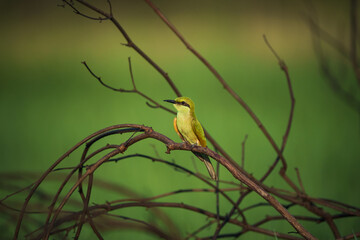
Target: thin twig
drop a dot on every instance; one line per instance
(131, 44)
(51, 168)
(134, 90)
(76, 11)
(299, 179)
(55, 217)
(243, 152)
(223, 82)
(284, 68)
(131, 74)
(235, 170)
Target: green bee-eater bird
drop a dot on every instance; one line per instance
(189, 128)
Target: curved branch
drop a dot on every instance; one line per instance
(104, 208)
(233, 168)
(53, 166)
(224, 84)
(131, 44)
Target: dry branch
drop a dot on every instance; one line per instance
(57, 220)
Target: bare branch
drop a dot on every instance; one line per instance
(82, 14)
(223, 82)
(243, 151)
(299, 179)
(101, 216)
(131, 44)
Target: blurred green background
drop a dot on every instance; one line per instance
(49, 101)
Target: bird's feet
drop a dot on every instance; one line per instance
(192, 146)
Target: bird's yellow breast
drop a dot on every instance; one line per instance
(184, 125)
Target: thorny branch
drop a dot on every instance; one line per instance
(171, 146)
(100, 217)
(148, 133)
(224, 84)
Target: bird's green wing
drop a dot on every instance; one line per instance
(199, 132)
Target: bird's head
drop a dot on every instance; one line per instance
(183, 104)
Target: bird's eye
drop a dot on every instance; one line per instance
(183, 103)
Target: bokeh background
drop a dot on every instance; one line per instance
(49, 101)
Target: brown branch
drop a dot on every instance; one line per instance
(55, 217)
(134, 90)
(16, 192)
(243, 152)
(66, 180)
(341, 207)
(144, 226)
(300, 218)
(98, 210)
(76, 11)
(194, 233)
(216, 189)
(284, 68)
(282, 172)
(234, 169)
(299, 179)
(79, 166)
(131, 44)
(148, 199)
(156, 104)
(88, 194)
(74, 204)
(150, 227)
(224, 84)
(51, 168)
(86, 211)
(350, 236)
(76, 185)
(110, 8)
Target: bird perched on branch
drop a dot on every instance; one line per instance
(190, 130)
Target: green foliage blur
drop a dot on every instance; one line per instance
(49, 101)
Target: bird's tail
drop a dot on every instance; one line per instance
(205, 159)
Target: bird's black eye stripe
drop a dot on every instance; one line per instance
(185, 104)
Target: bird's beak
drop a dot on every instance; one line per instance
(170, 101)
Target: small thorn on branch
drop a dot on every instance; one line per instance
(126, 44)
